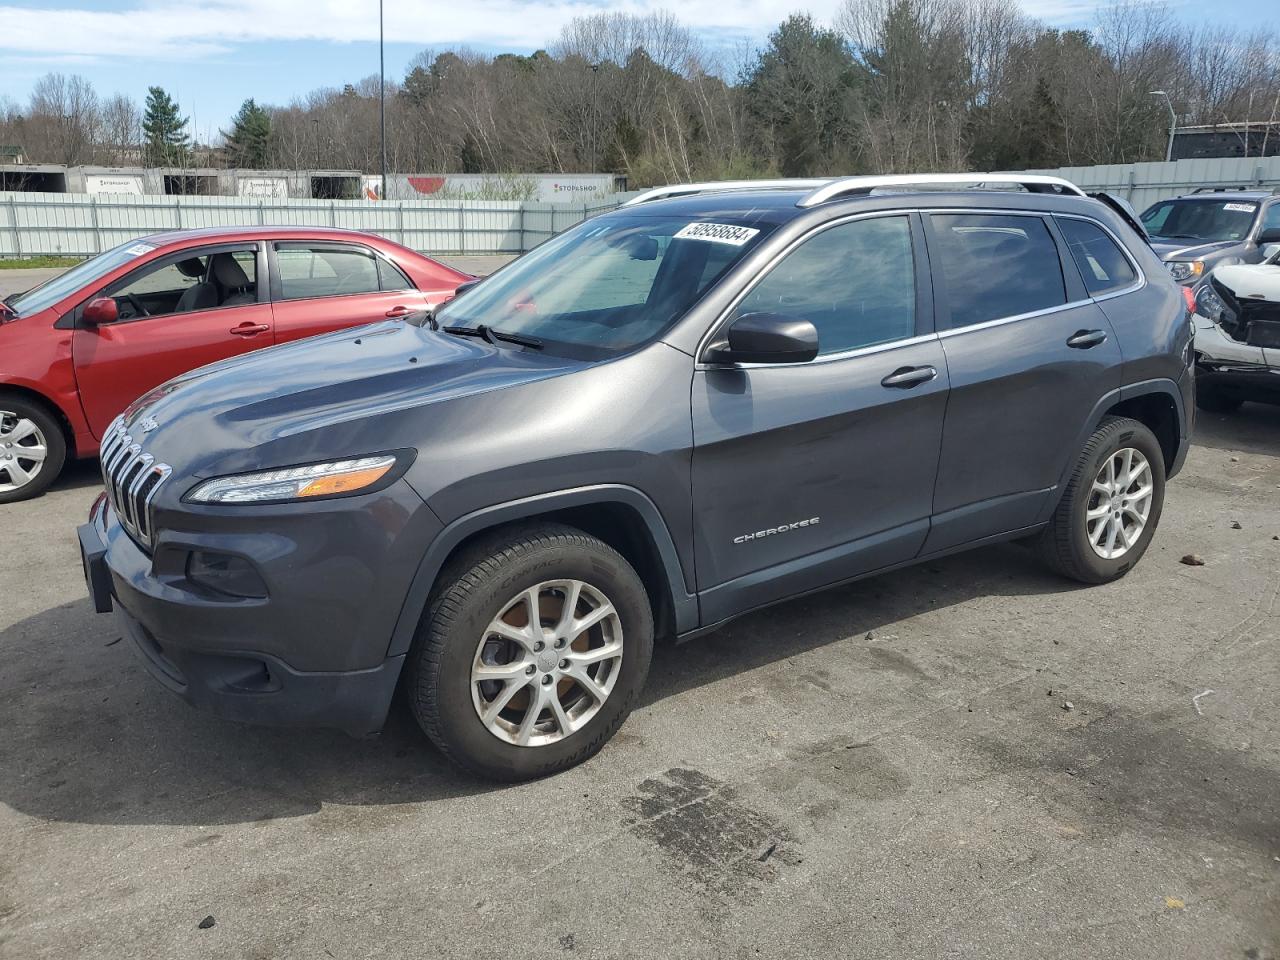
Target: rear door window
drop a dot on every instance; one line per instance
(1102, 265)
(391, 277)
(996, 266)
(307, 272)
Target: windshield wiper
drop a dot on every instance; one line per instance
(490, 335)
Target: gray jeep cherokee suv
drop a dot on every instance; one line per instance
(661, 419)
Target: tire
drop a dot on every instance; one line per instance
(27, 424)
(1215, 401)
(1066, 544)
(492, 580)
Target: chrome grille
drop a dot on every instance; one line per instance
(132, 479)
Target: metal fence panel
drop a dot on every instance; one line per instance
(39, 224)
(1142, 184)
(52, 224)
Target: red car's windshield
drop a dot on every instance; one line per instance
(81, 275)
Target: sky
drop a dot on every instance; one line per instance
(212, 54)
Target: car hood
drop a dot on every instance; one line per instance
(355, 392)
(1188, 249)
(1255, 281)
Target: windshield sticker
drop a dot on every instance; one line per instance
(138, 249)
(1240, 207)
(717, 233)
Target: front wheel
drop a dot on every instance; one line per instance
(532, 653)
(32, 449)
(1112, 504)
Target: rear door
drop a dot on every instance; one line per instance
(1030, 355)
(805, 474)
(177, 312)
(318, 287)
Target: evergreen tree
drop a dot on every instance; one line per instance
(165, 130)
(249, 142)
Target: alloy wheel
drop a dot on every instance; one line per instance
(23, 451)
(1119, 503)
(547, 663)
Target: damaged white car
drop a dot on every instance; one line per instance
(1237, 342)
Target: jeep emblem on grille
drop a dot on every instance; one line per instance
(147, 425)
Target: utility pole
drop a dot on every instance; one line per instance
(382, 101)
(1173, 122)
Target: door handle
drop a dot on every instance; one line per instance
(904, 378)
(1084, 339)
(249, 329)
(398, 311)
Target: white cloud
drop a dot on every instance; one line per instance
(167, 29)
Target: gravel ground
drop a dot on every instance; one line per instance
(884, 770)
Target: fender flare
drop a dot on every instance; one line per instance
(1160, 385)
(685, 604)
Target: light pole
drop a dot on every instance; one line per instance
(382, 102)
(1173, 122)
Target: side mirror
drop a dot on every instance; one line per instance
(1270, 235)
(1271, 252)
(463, 287)
(102, 310)
(765, 338)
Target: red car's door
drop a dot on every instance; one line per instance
(176, 313)
(319, 286)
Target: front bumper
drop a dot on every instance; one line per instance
(234, 657)
(1229, 366)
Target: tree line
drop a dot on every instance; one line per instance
(890, 86)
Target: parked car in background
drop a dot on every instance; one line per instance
(1238, 334)
(76, 350)
(663, 418)
(1195, 233)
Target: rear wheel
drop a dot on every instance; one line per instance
(532, 654)
(1112, 504)
(32, 449)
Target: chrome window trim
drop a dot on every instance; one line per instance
(719, 322)
(1139, 284)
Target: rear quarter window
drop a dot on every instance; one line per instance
(1102, 264)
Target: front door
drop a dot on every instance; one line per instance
(810, 473)
(175, 314)
(320, 287)
(1030, 356)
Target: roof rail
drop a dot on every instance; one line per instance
(854, 186)
(1231, 189)
(717, 186)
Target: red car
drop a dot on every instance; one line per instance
(78, 349)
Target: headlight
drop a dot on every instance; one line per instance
(1184, 270)
(295, 483)
(1208, 303)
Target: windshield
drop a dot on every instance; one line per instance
(1205, 220)
(81, 275)
(607, 285)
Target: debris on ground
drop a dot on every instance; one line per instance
(1068, 705)
(1235, 459)
(207, 922)
(112, 643)
(1175, 903)
(1195, 701)
(1235, 525)
(1193, 560)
